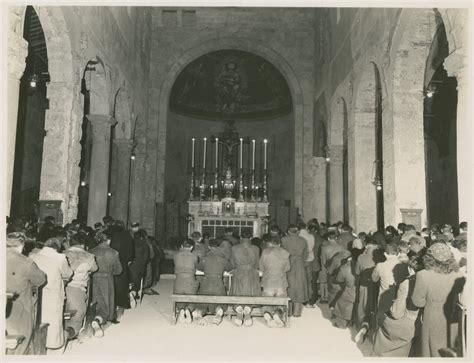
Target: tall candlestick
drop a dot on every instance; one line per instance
(241, 148)
(217, 153)
(253, 154)
(265, 154)
(204, 157)
(192, 153)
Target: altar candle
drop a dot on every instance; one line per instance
(241, 149)
(192, 153)
(253, 154)
(265, 154)
(217, 153)
(204, 157)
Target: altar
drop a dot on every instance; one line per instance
(214, 217)
(226, 191)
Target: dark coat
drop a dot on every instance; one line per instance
(123, 244)
(214, 264)
(185, 264)
(246, 281)
(103, 291)
(345, 301)
(318, 244)
(139, 263)
(436, 292)
(345, 240)
(21, 276)
(297, 247)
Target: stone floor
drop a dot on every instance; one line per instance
(146, 333)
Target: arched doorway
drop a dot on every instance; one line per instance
(259, 106)
(31, 120)
(439, 120)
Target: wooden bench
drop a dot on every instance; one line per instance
(282, 302)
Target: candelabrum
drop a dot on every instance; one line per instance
(216, 186)
(241, 185)
(202, 193)
(265, 187)
(191, 191)
(252, 191)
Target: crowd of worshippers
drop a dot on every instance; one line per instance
(74, 268)
(399, 288)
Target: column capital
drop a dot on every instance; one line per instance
(101, 120)
(124, 143)
(456, 64)
(101, 127)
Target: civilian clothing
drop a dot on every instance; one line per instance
(437, 293)
(345, 240)
(22, 274)
(274, 264)
(122, 242)
(297, 285)
(103, 291)
(57, 269)
(245, 260)
(83, 264)
(200, 250)
(328, 251)
(310, 243)
(318, 244)
(139, 262)
(395, 335)
(384, 273)
(344, 305)
(76, 299)
(363, 270)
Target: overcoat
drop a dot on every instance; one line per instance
(246, 281)
(122, 242)
(103, 292)
(22, 275)
(345, 302)
(139, 263)
(185, 264)
(366, 291)
(436, 293)
(297, 247)
(57, 269)
(275, 263)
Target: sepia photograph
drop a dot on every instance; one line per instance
(241, 181)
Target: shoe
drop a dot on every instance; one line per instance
(361, 334)
(239, 319)
(115, 321)
(98, 332)
(323, 301)
(181, 317)
(278, 322)
(188, 317)
(154, 292)
(247, 317)
(218, 317)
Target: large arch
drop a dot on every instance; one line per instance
(406, 169)
(63, 116)
(245, 44)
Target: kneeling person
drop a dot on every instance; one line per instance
(185, 263)
(274, 263)
(213, 265)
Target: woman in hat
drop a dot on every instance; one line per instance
(436, 288)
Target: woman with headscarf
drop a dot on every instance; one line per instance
(436, 289)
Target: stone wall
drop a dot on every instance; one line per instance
(284, 37)
(350, 44)
(75, 35)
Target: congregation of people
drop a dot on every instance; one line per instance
(399, 289)
(75, 279)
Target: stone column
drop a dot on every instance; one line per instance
(99, 173)
(119, 205)
(336, 187)
(17, 52)
(319, 179)
(457, 65)
(137, 188)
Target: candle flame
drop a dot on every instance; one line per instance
(265, 141)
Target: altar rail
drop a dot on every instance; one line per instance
(172, 223)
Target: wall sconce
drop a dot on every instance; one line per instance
(109, 194)
(83, 183)
(34, 79)
(375, 177)
(326, 154)
(132, 156)
(431, 89)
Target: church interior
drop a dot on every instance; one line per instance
(184, 119)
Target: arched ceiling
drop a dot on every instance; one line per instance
(231, 84)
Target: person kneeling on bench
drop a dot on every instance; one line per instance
(246, 282)
(213, 265)
(274, 263)
(185, 264)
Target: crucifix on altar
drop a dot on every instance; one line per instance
(221, 193)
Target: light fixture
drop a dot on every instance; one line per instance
(132, 156)
(83, 183)
(109, 194)
(34, 79)
(429, 94)
(326, 154)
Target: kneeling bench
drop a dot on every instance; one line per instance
(282, 302)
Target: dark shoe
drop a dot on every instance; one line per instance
(115, 321)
